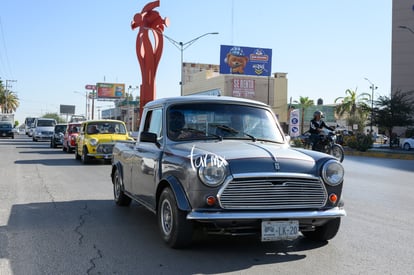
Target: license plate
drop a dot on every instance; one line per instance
(279, 230)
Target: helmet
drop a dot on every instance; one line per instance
(318, 113)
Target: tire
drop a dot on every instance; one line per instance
(64, 149)
(77, 156)
(324, 232)
(119, 196)
(175, 229)
(84, 157)
(338, 152)
(407, 146)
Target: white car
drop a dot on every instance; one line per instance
(408, 144)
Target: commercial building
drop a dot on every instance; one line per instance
(402, 64)
(205, 78)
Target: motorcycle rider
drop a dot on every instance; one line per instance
(316, 127)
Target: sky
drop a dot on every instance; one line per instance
(54, 48)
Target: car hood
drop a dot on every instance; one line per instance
(107, 138)
(249, 157)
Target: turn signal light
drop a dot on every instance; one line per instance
(211, 200)
(333, 198)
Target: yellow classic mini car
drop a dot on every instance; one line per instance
(97, 139)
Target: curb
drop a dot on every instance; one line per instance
(388, 155)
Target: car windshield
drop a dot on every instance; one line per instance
(60, 128)
(5, 126)
(45, 123)
(105, 128)
(223, 121)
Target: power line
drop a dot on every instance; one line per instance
(5, 52)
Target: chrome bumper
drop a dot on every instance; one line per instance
(267, 215)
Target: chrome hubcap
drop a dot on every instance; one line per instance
(166, 217)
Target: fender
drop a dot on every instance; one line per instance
(118, 166)
(180, 196)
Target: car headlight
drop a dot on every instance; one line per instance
(333, 172)
(213, 172)
(93, 141)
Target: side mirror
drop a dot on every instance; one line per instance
(148, 137)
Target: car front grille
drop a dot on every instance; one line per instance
(105, 148)
(273, 193)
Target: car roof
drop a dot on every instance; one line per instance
(100, 121)
(204, 99)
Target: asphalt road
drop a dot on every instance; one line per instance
(57, 217)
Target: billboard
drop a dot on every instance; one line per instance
(67, 109)
(245, 60)
(110, 90)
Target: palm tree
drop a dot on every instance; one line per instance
(353, 103)
(9, 101)
(304, 103)
(355, 106)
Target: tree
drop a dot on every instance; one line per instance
(9, 101)
(304, 103)
(355, 106)
(397, 110)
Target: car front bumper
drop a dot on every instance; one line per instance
(332, 213)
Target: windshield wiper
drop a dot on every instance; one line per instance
(234, 131)
(204, 133)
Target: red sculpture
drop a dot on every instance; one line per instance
(148, 56)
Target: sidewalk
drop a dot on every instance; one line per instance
(382, 151)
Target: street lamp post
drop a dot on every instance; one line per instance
(372, 87)
(131, 89)
(182, 46)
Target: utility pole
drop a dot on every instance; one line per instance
(6, 93)
(373, 88)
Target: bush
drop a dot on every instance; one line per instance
(360, 142)
(297, 142)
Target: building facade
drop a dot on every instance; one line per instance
(402, 63)
(202, 78)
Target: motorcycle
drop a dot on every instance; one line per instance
(327, 144)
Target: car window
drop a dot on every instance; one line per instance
(104, 127)
(5, 126)
(229, 121)
(153, 122)
(45, 123)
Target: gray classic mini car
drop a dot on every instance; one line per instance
(224, 165)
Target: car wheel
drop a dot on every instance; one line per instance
(407, 146)
(337, 152)
(84, 158)
(77, 156)
(119, 196)
(69, 150)
(64, 148)
(174, 227)
(324, 232)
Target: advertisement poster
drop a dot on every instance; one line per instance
(294, 123)
(110, 90)
(245, 60)
(244, 88)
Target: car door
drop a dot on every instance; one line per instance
(147, 158)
